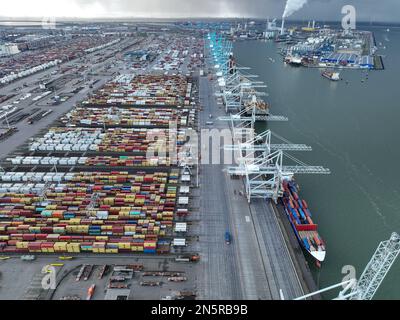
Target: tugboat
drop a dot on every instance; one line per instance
(333, 76)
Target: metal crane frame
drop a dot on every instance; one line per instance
(377, 268)
(372, 277)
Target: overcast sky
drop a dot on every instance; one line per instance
(378, 10)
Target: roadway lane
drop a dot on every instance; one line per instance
(221, 276)
(235, 271)
(258, 259)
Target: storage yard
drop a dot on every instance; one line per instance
(54, 203)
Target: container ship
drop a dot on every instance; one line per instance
(334, 76)
(299, 217)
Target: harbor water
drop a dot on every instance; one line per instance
(353, 128)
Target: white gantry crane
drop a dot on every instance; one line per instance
(237, 89)
(261, 163)
(372, 277)
(265, 174)
(248, 116)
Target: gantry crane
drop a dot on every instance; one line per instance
(372, 277)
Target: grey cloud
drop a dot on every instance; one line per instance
(384, 10)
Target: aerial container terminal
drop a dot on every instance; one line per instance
(100, 177)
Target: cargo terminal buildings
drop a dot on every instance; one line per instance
(327, 48)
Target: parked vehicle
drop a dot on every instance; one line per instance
(228, 238)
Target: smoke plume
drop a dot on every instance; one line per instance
(292, 6)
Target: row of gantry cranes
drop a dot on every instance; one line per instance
(261, 163)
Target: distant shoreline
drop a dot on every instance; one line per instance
(147, 19)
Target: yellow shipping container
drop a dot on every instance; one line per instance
(130, 228)
(100, 238)
(124, 214)
(75, 221)
(60, 246)
(122, 245)
(21, 245)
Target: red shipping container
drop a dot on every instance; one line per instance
(41, 236)
(28, 237)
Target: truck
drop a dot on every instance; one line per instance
(188, 258)
(228, 238)
(28, 258)
(177, 279)
(90, 292)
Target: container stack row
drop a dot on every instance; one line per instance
(140, 140)
(123, 117)
(149, 90)
(108, 161)
(112, 212)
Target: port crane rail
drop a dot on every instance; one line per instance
(372, 277)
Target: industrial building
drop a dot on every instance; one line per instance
(8, 49)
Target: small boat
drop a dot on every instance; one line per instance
(333, 76)
(294, 60)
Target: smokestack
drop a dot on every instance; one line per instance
(283, 26)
